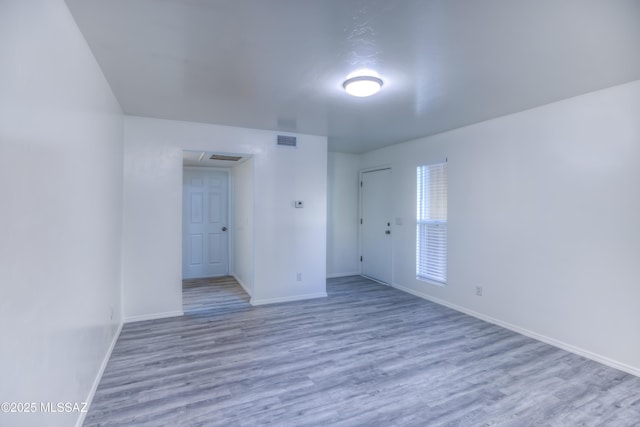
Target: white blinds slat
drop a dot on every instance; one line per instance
(431, 247)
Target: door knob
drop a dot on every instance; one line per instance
(387, 232)
(224, 228)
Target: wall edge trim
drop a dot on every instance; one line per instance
(241, 283)
(336, 275)
(287, 299)
(153, 316)
(543, 338)
(96, 381)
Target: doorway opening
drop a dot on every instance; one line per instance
(211, 227)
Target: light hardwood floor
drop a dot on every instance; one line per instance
(368, 355)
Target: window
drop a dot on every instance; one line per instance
(431, 240)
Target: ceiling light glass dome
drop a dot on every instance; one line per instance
(362, 84)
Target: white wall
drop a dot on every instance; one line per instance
(543, 213)
(286, 240)
(61, 134)
(242, 182)
(342, 214)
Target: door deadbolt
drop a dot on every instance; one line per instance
(224, 228)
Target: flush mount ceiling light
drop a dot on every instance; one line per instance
(362, 86)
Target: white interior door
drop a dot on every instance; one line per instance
(205, 248)
(375, 229)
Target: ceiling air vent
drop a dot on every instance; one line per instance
(287, 141)
(227, 158)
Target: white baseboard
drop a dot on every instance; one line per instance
(154, 316)
(287, 299)
(335, 275)
(376, 280)
(96, 382)
(545, 339)
(244, 286)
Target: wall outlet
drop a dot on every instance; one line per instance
(479, 291)
(299, 277)
(298, 204)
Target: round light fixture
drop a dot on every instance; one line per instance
(362, 86)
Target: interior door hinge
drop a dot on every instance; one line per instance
(360, 258)
(360, 183)
(360, 220)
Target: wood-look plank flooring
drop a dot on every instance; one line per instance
(218, 293)
(368, 355)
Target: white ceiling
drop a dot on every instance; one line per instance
(279, 64)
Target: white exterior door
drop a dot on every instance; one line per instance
(375, 228)
(205, 248)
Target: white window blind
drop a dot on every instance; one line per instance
(431, 241)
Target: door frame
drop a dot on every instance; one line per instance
(360, 173)
(230, 227)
